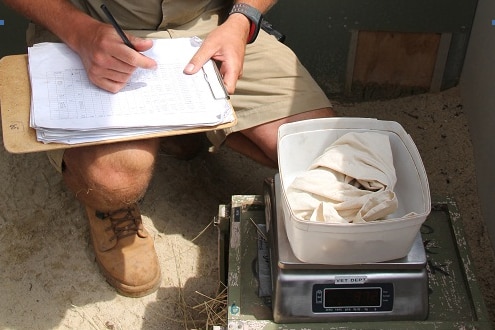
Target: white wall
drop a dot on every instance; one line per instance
(478, 94)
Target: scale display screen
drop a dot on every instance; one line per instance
(331, 298)
(352, 297)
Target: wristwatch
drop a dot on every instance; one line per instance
(254, 17)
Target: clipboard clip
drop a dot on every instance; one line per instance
(218, 91)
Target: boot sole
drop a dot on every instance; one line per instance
(131, 291)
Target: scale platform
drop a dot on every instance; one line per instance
(453, 299)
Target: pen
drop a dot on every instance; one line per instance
(116, 26)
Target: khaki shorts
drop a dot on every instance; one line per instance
(274, 83)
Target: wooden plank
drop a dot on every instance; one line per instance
(394, 63)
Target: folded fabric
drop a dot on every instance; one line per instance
(351, 182)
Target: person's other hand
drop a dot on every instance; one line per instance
(226, 45)
(108, 61)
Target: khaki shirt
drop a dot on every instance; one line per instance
(151, 14)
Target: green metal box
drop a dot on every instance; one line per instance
(455, 301)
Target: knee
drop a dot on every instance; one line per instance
(131, 172)
(111, 167)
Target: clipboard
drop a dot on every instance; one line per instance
(15, 105)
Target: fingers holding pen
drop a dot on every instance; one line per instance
(133, 56)
(110, 63)
(127, 59)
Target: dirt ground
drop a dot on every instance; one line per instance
(49, 279)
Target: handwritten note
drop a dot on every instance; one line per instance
(65, 102)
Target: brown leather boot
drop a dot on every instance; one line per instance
(125, 251)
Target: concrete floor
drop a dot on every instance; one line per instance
(49, 277)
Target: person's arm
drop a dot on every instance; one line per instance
(227, 44)
(58, 16)
(108, 61)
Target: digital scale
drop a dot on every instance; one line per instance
(302, 292)
(269, 288)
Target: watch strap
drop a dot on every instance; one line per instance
(254, 17)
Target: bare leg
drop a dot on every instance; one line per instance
(111, 176)
(260, 142)
(109, 180)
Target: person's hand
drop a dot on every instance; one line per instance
(107, 60)
(226, 45)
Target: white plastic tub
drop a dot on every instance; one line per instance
(300, 143)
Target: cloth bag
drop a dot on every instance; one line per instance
(351, 182)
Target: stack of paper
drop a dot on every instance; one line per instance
(67, 108)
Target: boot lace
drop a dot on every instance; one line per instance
(123, 222)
